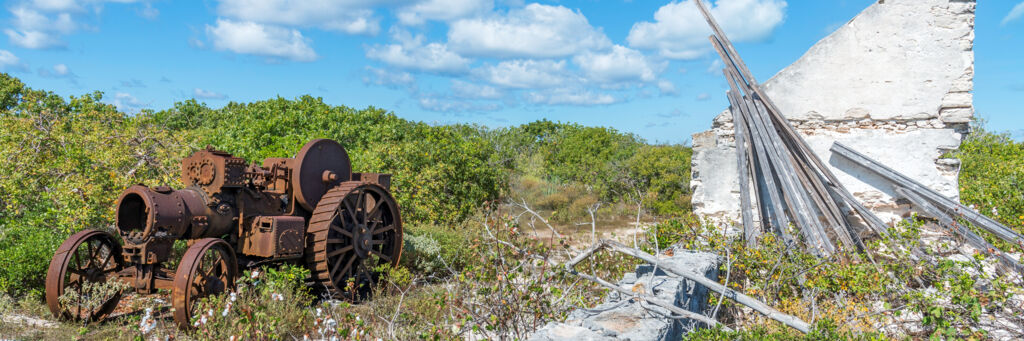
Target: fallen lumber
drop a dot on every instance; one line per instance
(935, 198)
(794, 188)
(969, 236)
(761, 307)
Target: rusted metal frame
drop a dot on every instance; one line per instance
(781, 220)
(809, 224)
(571, 267)
(937, 199)
(749, 231)
(756, 305)
(946, 220)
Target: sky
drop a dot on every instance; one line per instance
(639, 66)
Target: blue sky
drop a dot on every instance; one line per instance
(639, 66)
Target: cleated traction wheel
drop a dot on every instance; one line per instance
(208, 268)
(87, 257)
(355, 228)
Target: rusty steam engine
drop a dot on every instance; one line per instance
(310, 209)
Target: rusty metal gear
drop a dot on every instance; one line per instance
(89, 256)
(355, 227)
(209, 267)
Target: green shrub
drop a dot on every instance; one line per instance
(65, 162)
(992, 176)
(271, 303)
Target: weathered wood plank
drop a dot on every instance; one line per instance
(937, 199)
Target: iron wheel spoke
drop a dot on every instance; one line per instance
(384, 229)
(341, 230)
(381, 255)
(339, 251)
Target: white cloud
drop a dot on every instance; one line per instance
(410, 53)
(348, 16)
(680, 32)
(444, 10)
(477, 91)
(206, 94)
(40, 24)
(1014, 14)
(8, 61)
(262, 40)
(389, 78)
(525, 74)
(126, 102)
(149, 12)
(715, 67)
(57, 5)
(563, 96)
(536, 31)
(621, 64)
(703, 96)
(34, 29)
(667, 88)
(450, 105)
(59, 71)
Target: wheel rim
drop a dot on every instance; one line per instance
(207, 268)
(82, 261)
(363, 231)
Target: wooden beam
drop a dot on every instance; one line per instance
(937, 199)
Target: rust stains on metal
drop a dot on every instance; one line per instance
(310, 208)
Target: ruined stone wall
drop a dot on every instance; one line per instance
(893, 83)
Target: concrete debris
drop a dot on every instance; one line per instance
(625, 317)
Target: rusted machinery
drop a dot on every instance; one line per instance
(310, 209)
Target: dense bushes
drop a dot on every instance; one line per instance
(67, 160)
(64, 163)
(992, 176)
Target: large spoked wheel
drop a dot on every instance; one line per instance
(355, 228)
(208, 268)
(74, 281)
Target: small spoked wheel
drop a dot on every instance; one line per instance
(81, 281)
(208, 268)
(355, 228)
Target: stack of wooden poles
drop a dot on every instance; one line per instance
(797, 196)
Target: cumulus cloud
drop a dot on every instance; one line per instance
(525, 74)
(8, 62)
(207, 94)
(34, 29)
(535, 31)
(59, 71)
(348, 16)
(261, 40)
(453, 105)
(411, 53)
(388, 78)
(667, 88)
(126, 102)
(1014, 14)
(703, 96)
(41, 24)
(463, 89)
(443, 10)
(715, 67)
(621, 64)
(680, 32)
(565, 96)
